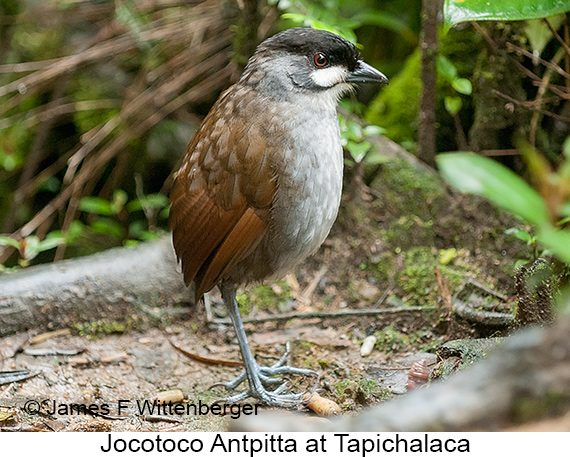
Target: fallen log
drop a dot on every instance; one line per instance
(110, 285)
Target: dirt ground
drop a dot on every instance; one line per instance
(136, 366)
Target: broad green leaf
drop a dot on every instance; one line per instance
(480, 175)
(352, 130)
(136, 228)
(376, 158)
(564, 210)
(456, 11)
(343, 29)
(446, 256)
(149, 235)
(566, 147)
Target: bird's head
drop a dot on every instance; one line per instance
(308, 61)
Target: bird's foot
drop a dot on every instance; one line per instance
(266, 374)
(271, 398)
(264, 378)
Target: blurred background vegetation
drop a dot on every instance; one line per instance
(99, 99)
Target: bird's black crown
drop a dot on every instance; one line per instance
(308, 42)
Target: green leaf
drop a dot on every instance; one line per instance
(539, 34)
(149, 235)
(446, 256)
(520, 262)
(371, 130)
(452, 104)
(343, 28)
(456, 11)
(520, 233)
(96, 205)
(150, 201)
(462, 85)
(446, 68)
(352, 130)
(7, 241)
(30, 244)
(480, 175)
(50, 242)
(358, 150)
(165, 213)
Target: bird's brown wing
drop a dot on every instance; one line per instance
(221, 199)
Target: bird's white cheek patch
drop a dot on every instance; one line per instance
(328, 77)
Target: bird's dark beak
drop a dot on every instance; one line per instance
(364, 73)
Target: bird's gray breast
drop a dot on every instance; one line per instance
(309, 188)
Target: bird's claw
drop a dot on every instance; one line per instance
(270, 398)
(267, 377)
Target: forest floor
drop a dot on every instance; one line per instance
(390, 237)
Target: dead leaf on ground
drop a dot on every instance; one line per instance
(207, 360)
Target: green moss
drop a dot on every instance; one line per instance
(409, 230)
(352, 393)
(417, 278)
(342, 385)
(385, 269)
(272, 297)
(372, 390)
(423, 196)
(94, 330)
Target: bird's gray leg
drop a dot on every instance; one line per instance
(257, 376)
(266, 373)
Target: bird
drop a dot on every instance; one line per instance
(260, 184)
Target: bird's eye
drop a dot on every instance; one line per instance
(321, 60)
